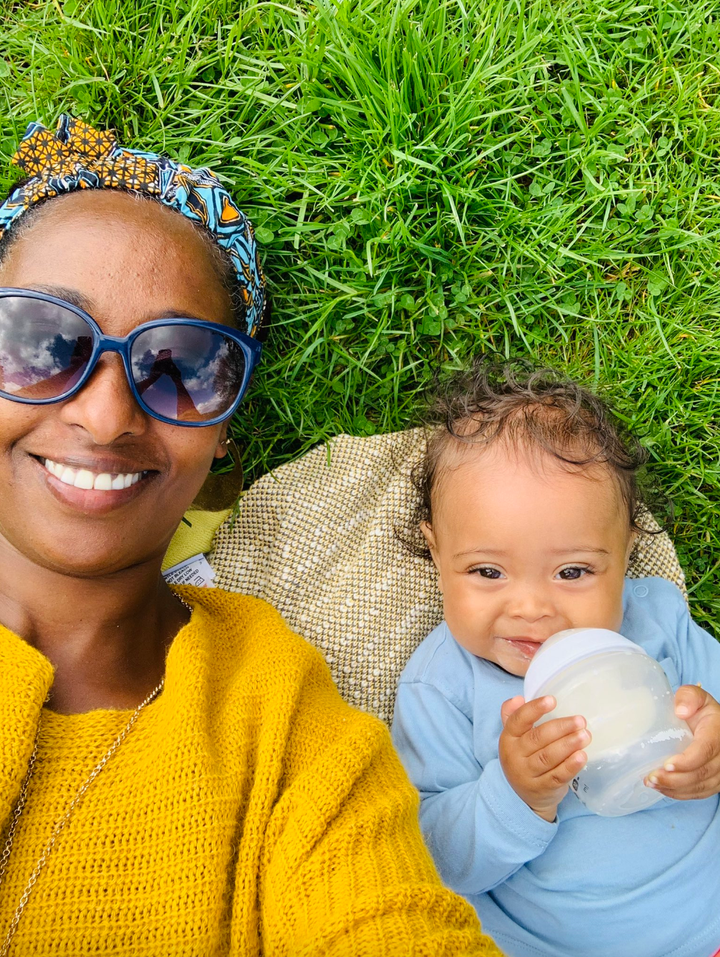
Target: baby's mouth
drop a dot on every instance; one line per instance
(526, 646)
(88, 479)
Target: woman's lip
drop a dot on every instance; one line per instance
(92, 501)
(97, 465)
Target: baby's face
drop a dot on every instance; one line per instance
(525, 549)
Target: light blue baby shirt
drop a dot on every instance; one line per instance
(644, 885)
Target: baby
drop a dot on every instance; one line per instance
(531, 512)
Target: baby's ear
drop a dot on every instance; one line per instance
(426, 529)
(632, 540)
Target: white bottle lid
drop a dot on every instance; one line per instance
(568, 647)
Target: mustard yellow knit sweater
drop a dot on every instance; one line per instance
(250, 811)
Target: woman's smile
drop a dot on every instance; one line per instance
(87, 478)
(92, 487)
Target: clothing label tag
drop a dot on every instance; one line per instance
(196, 570)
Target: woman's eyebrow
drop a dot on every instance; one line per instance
(178, 314)
(72, 296)
(76, 298)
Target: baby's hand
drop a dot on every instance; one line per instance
(696, 772)
(541, 762)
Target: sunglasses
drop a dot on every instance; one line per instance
(181, 371)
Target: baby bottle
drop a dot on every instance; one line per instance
(628, 705)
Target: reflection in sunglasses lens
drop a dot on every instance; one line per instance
(187, 373)
(44, 348)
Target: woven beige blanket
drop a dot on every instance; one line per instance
(317, 538)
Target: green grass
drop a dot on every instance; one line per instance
(433, 179)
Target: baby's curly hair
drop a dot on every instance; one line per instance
(529, 409)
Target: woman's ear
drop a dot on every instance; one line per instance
(221, 449)
(225, 479)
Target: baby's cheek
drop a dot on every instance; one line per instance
(604, 609)
(467, 628)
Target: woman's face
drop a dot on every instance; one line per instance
(125, 262)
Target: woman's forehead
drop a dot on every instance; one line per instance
(118, 251)
(123, 217)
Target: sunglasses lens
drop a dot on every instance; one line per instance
(44, 348)
(187, 373)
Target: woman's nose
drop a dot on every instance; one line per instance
(105, 407)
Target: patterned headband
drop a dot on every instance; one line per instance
(80, 157)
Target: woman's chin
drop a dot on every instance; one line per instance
(90, 533)
(97, 558)
(85, 548)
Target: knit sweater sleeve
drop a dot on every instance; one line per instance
(25, 679)
(344, 869)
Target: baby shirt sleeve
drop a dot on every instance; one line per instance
(477, 828)
(699, 655)
(658, 618)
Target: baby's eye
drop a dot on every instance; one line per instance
(485, 571)
(572, 573)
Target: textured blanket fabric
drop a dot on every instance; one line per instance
(322, 539)
(249, 811)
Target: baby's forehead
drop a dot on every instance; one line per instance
(467, 459)
(516, 451)
(527, 504)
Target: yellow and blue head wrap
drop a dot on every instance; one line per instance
(77, 156)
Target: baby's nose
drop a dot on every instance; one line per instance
(531, 605)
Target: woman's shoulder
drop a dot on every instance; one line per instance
(239, 628)
(251, 675)
(243, 647)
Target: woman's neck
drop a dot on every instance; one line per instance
(107, 637)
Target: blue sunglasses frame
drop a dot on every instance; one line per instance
(251, 349)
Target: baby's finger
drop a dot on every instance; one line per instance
(564, 772)
(510, 707)
(682, 785)
(560, 751)
(692, 790)
(701, 751)
(544, 735)
(689, 699)
(519, 722)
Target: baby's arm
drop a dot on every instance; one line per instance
(478, 829)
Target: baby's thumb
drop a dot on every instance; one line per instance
(510, 706)
(689, 699)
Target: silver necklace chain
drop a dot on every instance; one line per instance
(62, 822)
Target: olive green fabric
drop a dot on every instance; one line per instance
(194, 535)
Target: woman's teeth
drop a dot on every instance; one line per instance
(84, 478)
